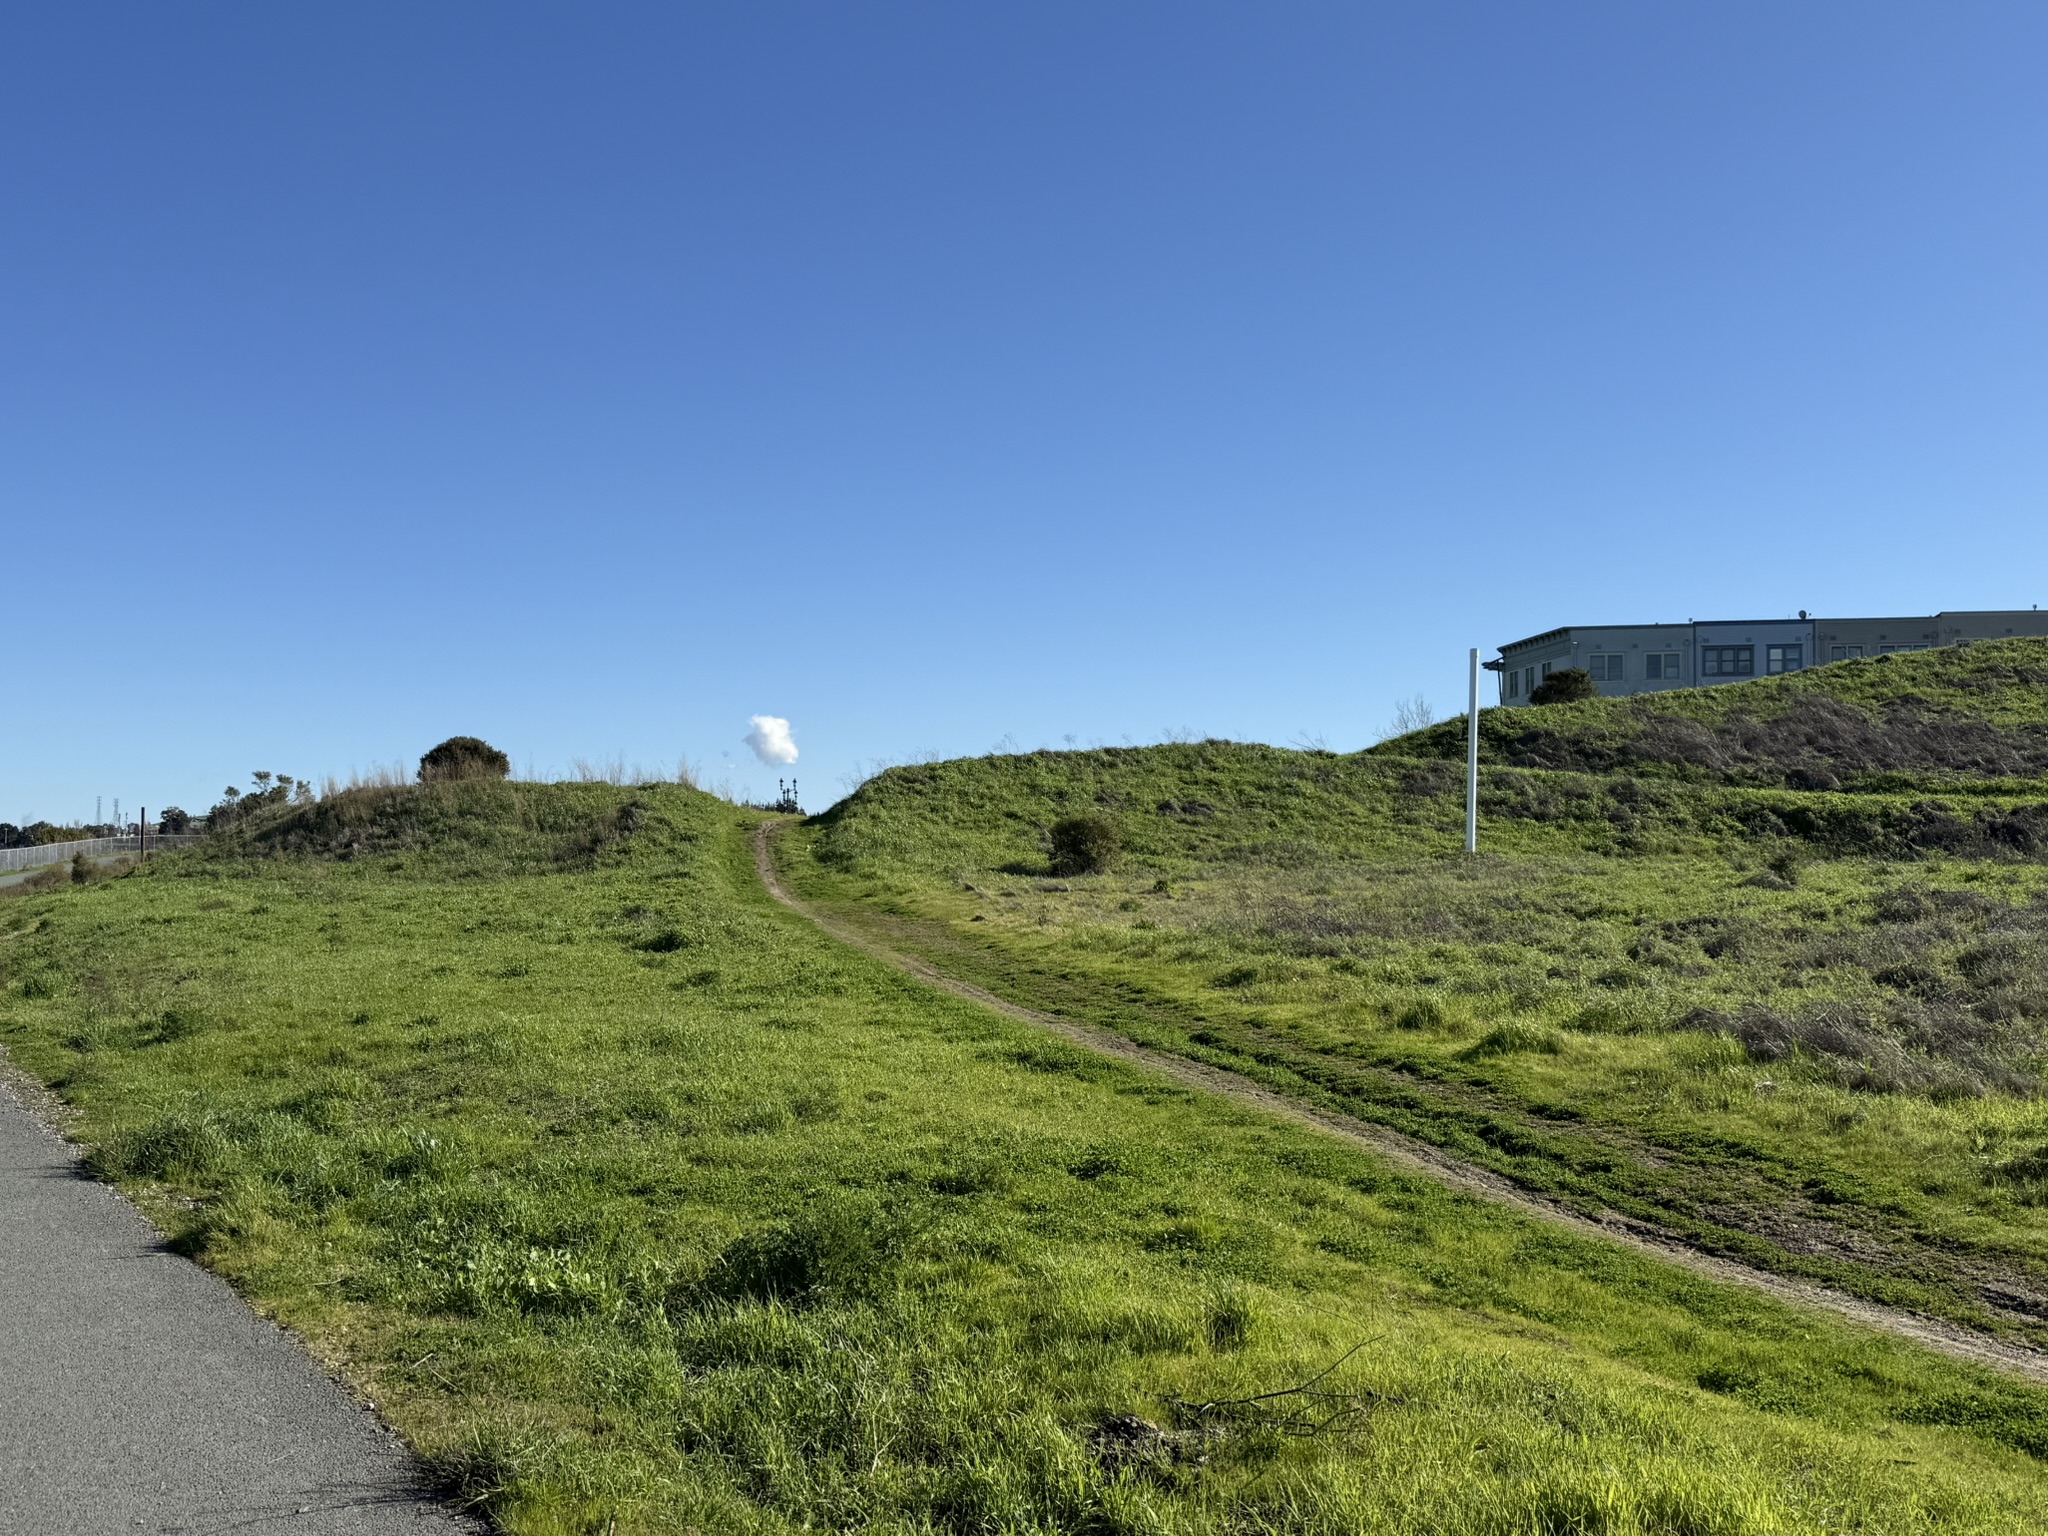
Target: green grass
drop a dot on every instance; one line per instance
(1956, 716)
(631, 1198)
(1708, 1006)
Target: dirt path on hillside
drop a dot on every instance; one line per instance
(1431, 1162)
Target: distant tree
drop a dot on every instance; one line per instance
(1564, 687)
(272, 790)
(175, 822)
(464, 757)
(12, 836)
(1084, 845)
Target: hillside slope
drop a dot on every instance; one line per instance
(1960, 713)
(1807, 1028)
(640, 1206)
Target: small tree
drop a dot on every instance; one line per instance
(1564, 687)
(175, 822)
(464, 757)
(1411, 714)
(1084, 845)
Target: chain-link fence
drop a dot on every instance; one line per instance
(91, 847)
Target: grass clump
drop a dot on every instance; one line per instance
(842, 1247)
(1514, 1037)
(177, 1146)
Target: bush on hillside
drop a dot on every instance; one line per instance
(1565, 687)
(1084, 845)
(464, 757)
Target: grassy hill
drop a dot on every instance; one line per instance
(1801, 1027)
(1946, 716)
(640, 1205)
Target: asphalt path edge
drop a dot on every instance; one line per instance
(140, 1392)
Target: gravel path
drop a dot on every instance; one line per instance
(1432, 1162)
(140, 1394)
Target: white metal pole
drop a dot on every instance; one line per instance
(1472, 762)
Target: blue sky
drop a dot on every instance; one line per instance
(592, 379)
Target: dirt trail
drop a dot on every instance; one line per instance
(1419, 1157)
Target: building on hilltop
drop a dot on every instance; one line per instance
(1645, 658)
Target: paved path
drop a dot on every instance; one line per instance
(139, 1394)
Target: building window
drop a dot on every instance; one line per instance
(1512, 682)
(1661, 666)
(1546, 669)
(1884, 648)
(1529, 679)
(1605, 669)
(1727, 661)
(1784, 658)
(1844, 652)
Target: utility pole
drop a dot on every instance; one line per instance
(1472, 761)
(142, 833)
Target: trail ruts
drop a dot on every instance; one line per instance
(1418, 1157)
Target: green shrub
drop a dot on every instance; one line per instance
(464, 757)
(1564, 687)
(1084, 845)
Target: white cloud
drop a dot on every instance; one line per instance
(770, 740)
